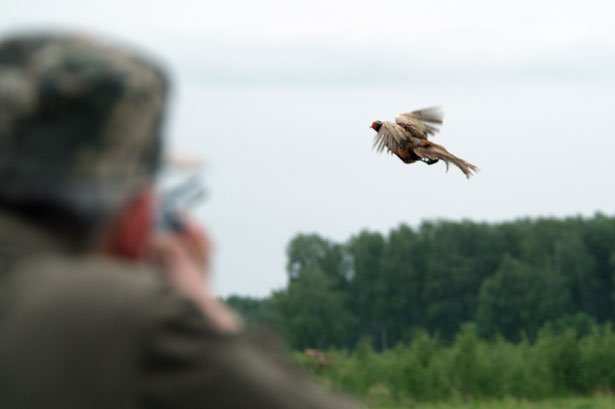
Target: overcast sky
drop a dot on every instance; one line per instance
(276, 98)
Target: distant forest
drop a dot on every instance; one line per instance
(509, 279)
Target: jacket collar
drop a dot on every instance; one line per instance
(19, 238)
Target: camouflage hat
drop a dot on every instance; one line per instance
(80, 120)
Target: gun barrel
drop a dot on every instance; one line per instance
(177, 198)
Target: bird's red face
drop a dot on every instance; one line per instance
(376, 125)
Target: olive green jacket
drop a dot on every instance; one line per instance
(93, 332)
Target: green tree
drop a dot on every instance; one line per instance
(255, 311)
(518, 299)
(367, 283)
(313, 313)
(460, 258)
(401, 307)
(598, 235)
(310, 251)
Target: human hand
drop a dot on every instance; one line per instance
(185, 258)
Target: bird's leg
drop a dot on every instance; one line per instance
(429, 161)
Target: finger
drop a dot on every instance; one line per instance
(196, 240)
(168, 249)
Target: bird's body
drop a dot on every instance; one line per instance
(407, 138)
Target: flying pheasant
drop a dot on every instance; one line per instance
(407, 138)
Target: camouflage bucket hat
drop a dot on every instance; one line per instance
(80, 120)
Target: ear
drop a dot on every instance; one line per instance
(131, 229)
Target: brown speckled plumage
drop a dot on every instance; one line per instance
(407, 138)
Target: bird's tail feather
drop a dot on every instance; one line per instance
(435, 151)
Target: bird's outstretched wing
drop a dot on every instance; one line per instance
(421, 123)
(390, 136)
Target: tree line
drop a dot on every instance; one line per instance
(509, 279)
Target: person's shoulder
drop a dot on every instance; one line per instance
(83, 289)
(95, 277)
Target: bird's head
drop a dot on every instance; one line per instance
(376, 125)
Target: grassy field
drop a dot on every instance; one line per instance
(599, 402)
